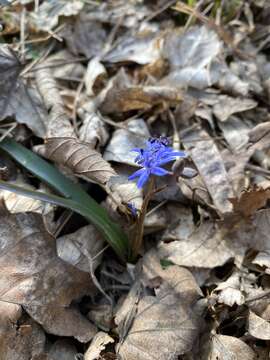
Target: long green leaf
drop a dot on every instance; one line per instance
(76, 198)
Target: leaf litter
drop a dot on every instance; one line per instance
(83, 83)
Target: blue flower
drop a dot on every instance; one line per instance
(155, 154)
(132, 209)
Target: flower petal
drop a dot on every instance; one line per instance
(159, 171)
(136, 174)
(143, 178)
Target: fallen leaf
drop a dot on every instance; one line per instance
(36, 278)
(190, 64)
(121, 95)
(80, 248)
(123, 141)
(46, 18)
(98, 344)
(229, 291)
(156, 332)
(258, 327)
(209, 163)
(80, 158)
(235, 132)
(95, 71)
(143, 48)
(20, 337)
(227, 106)
(225, 347)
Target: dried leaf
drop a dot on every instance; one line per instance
(46, 18)
(98, 344)
(24, 341)
(250, 201)
(227, 106)
(235, 132)
(93, 130)
(225, 347)
(210, 165)
(95, 70)
(80, 158)
(230, 292)
(190, 64)
(258, 327)
(34, 276)
(58, 123)
(62, 350)
(143, 48)
(123, 141)
(122, 96)
(80, 248)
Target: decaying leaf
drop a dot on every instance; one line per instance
(93, 130)
(250, 201)
(225, 347)
(230, 291)
(95, 71)
(98, 344)
(49, 12)
(41, 285)
(80, 248)
(124, 141)
(23, 341)
(190, 65)
(121, 95)
(62, 350)
(209, 163)
(80, 158)
(148, 325)
(258, 327)
(227, 106)
(58, 123)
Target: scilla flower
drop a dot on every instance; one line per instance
(155, 154)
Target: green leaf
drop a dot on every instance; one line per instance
(75, 199)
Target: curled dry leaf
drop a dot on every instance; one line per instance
(80, 158)
(58, 123)
(81, 247)
(258, 327)
(95, 71)
(93, 130)
(38, 279)
(98, 344)
(235, 132)
(225, 347)
(209, 163)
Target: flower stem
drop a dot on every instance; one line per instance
(137, 238)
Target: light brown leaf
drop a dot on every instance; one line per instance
(209, 163)
(258, 327)
(33, 275)
(80, 158)
(98, 344)
(225, 347)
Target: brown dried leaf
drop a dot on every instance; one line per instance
(80, 158)
(225, 347)
(121, 95)
(227, 106)
(58, 121)
(209, 163)
(156, 332)
(250, 201)
(33, 275)
(93, 130)
(62, 350)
